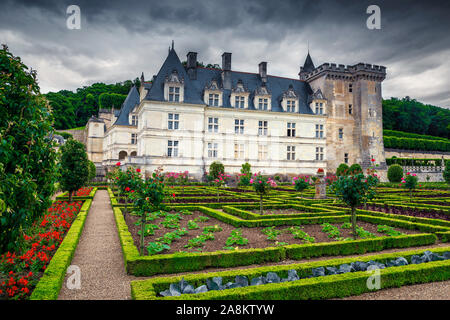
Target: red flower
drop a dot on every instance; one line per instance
(118, 163)
(373, 160)
(138, 170)
(127, 189)
(132, 191)
(173, 195)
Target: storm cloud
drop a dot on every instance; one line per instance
(120, 39)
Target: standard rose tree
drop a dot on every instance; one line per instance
(262, 186)
(300, 184)
(220, 182)
(147, 196)
(410, 183)
(355, 190)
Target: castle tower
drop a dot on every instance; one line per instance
(354, 127)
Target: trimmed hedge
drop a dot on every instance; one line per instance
(304, 211)
(50, 283)
(401, 134)
(416, 144)
(326, 287)
(183, 262)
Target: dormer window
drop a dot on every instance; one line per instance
(239, 95)
(239, 102)
(262, 100)
(213, 94)
(174, 94)
(134, 120)
(214, 99)
(262, 103)
(174, 87)
(318, 102)
(290, 105)
(290, 100)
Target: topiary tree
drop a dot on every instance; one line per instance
(148, 196)
(342, 170)
(300, 184)
(355, 169)
(246, 174)
(28, 156)
(92, 171)
(262, 186)
(410, 183)
(446, 173)
(215, 169)
(355, 190)
(395, 173)
(74, 166)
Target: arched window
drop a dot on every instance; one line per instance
(133, 154)
(122, 155)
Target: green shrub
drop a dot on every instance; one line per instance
(342, 169)
(354, 169)
(395, 173)
(65, 135)
(446, 172)
(92, 170)
(215, 169)
(27, 155)
(74, 166)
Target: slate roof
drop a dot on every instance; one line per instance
(309, 65)
(128, 105)
(193, 89)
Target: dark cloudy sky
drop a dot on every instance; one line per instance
(120, 39)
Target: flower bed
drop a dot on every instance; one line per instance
(21, 271)
(81, 194)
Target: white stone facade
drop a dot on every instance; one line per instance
(184, 120)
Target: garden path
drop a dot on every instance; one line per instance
(99, 257)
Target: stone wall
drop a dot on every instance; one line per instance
(399, 153)
(78, 135)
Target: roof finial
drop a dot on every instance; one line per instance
(308, 46)
(172, 44)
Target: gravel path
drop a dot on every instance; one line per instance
(99, 257)
(425, 291)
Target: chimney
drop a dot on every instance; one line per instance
(263, 71)
(191, 65)
(226, 70)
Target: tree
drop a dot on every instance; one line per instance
(74, 166)
(355, 190)
(262, 186)
(246, 174)
(410, 182)
(92, 171)
(215, 169)
(28, 156)
(147, 196)
(300, 184)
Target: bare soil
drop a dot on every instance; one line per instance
(256, 239)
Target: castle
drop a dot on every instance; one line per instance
(188, 116)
